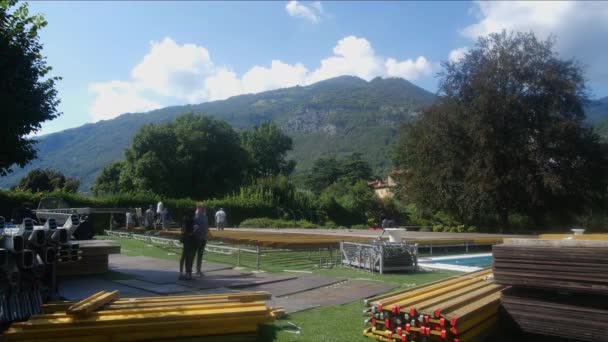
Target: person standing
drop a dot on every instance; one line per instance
(201, 233)
(188, 248)
(159, 212)
(220, 219)
(149, 218)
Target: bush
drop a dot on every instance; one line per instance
(265, 222)
(359, 226)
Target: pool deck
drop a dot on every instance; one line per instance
(431, 262)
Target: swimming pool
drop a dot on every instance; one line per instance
(476, 261)
(462, 263)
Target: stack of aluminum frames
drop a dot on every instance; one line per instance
(105, 317)
(458, 309)
(380, 256)
(28, 258)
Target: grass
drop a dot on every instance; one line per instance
(333, 323)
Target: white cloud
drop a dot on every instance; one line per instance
(187, 73)
(174, 70)
(457, 54)
(581, 27)
(117, 97)
(409, 69)
(312, 13)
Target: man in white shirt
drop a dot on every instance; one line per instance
(220, 219)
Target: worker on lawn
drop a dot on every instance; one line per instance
(149, 218)
(129, 219)
(201, 233)
(159, 212)
(188, 248)
(220, 219)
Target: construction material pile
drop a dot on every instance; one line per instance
(457, 309)
(94, 258)
(28, 258)
(559, 287)
(105, 317)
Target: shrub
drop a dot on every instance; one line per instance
(359, 226)
(266, 222)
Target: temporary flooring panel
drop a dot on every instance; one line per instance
(162, 289)
(336, 294)
(77, 289)
(301, 284)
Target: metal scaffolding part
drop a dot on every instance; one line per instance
(380, 256)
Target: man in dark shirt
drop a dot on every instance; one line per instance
(201, 233)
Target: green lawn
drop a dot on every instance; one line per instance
(335, 323)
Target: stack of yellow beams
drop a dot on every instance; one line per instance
(573, 236)
(148, 318)
(458, 309)
(315, 240)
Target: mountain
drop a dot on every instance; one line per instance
(597, 110)
(335, 116)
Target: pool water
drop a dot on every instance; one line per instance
(480, 261)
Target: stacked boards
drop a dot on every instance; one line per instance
(94, 258)
(558, 288)
(104, 317)
(458, 309)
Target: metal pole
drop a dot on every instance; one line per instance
(466, 246)
(381, 259)
(257, 261)
(238, 256)
(431, 248)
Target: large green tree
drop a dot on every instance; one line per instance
(27, 92)
(108, 180)
(195, 156)
(328, 170)
(506, 135)
(268, 147)
(47, 180)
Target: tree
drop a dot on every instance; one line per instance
(327, 170)
(324, 172)
(47, 180)
(108, 181)
(354, 168)
(268, 147)
(506, 135)
(194, 156)
(27, 93)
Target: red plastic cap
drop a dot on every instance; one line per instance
(399, 330)
(453, 321)
(437, 313)
(408, 327)
(373, 320)
(412, 312)
(426, 319)
(389, 334)
(442, 322)
(379, 306)
(444, 333)
(428, 331)
(404, 338)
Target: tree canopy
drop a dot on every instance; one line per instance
(195, 156)
(47, 180)
(108, 181)
(506, 135)
(268, 146)
(27, 92)
(328, 170)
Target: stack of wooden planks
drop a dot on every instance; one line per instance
(458, 309)
(563, 265)
(104, 317)
(93, 258)
(559, 287)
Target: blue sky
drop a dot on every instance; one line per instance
(118, 57)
